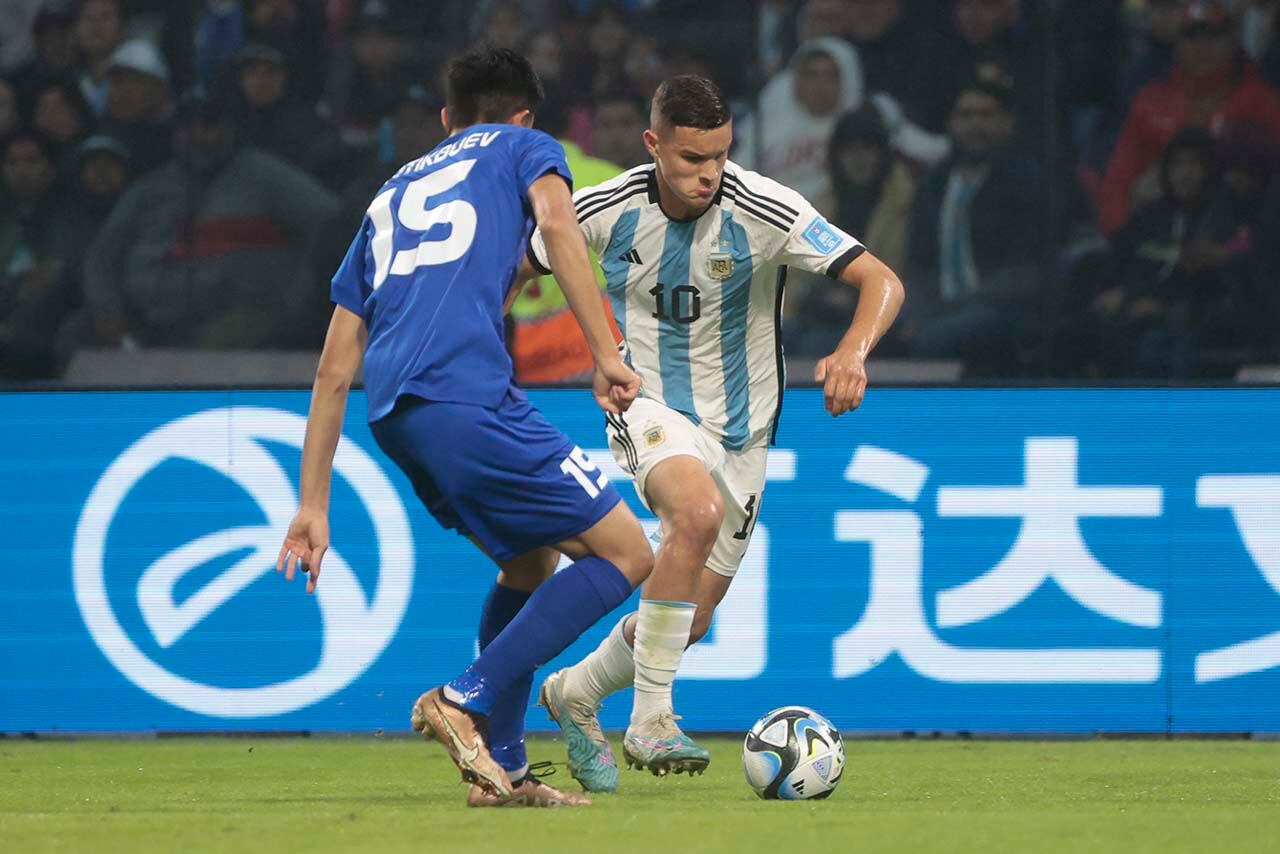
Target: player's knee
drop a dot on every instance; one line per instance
(698, 524)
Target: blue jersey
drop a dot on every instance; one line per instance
(434, 259)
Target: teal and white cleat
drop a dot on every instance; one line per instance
(657, 744)
(591, 759)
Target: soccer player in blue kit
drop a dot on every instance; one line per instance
(419, 299)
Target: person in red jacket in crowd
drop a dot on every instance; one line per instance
(1212, 85)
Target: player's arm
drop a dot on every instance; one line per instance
(616, 385)
(308, 536)
(844, 373)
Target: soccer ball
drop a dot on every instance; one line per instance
(793, 754)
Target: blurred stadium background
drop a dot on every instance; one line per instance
(179, 178)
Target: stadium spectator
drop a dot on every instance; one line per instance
(10, 115)
(366, 78)
(873, 186)
(34, 298)
(786, 137)
(99, 32)
(59, 112)
(996, 33)
(219, 36)
(546, 343)
(55, 52)
(276, 121)
(975, 240)
(873, 190)
(413, 129)
(617, 129)
(1212, 85)
(890, 47)
(139, 106)
(100, 176)
(1163, 258)
(211, 249)
(297, 29)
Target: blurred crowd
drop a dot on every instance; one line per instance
(1069, 188)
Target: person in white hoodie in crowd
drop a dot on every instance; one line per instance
(786, 136)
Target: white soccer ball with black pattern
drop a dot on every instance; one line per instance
(793, 754)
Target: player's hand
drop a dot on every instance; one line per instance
(615, 386)
(304, 546)
(843, 375)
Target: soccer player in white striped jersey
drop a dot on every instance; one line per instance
(695, 251)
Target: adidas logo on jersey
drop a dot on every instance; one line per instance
(632, 257)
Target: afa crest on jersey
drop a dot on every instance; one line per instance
(719, 265)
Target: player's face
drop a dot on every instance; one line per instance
(690, 163)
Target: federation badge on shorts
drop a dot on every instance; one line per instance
(719, 265)
(654, 436)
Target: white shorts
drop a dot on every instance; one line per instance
(649, 433)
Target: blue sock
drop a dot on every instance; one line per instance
(506, 720)
(558, 612)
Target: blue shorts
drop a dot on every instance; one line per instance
(507, 477)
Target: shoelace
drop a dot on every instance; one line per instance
(537, 771)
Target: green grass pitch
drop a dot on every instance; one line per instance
(399, 794)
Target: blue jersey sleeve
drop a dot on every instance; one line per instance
(537, 155)
(349, 288)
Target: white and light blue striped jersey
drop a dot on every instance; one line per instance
(699, 302)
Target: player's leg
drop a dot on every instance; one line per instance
(517, 579)
(572, 696)
(400, 435)
(689, 506)
(526, 486)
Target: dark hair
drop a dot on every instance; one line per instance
(865, 124)
(690, 101)
(489, 85)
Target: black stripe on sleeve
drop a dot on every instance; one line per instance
(750, 208)
(588, 199)
(764, 200)
(838, 265)
(533, 259)
(585, 215)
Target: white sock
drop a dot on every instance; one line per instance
(610, 667)
(662, 633)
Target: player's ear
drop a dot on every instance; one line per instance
(524, 118)
(444, 118)
(651, 142)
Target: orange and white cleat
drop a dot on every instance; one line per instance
(462, 734)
